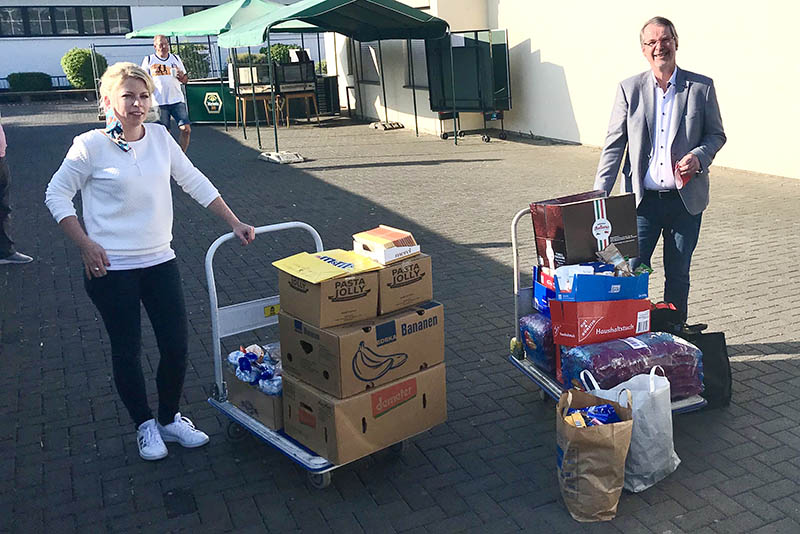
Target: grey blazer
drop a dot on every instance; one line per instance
(698, 130)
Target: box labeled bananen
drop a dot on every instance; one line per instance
(349, 359)
(343, 430)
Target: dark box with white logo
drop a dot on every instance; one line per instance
(572, 229)
(404, 283)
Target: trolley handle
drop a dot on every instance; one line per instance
(214, 309)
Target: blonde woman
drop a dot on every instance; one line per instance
(123, 173)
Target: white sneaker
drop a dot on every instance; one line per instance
(183, 431)
(151, 446)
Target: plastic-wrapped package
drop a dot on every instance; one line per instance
(271, 386)
(615, 361)
(536, 333)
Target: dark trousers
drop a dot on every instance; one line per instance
(117, 296)
(664, 215)
(6, 244)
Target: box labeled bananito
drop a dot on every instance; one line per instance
(349, 359)
(343, 430)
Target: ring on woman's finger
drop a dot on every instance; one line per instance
(97, 268)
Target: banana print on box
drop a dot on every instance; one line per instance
(369, 365)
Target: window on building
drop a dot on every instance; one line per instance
(39, 21)
(11, 23)
(369, 61)
(66, 19)
(417, 53)
(119, 20)
(189, 10)
(94, 23)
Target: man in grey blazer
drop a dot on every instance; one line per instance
(668, 119)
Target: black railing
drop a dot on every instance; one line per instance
(57, 82)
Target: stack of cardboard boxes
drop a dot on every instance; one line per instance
(363, 354)
(569, 231)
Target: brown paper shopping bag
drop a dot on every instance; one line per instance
(591, 460)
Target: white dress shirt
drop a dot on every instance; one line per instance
(660, 174)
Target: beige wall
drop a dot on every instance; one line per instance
(568, 57)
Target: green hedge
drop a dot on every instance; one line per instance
(195, 58)
(279, 51)
(77, 65)
(29, 81)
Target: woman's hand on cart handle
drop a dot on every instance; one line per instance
(244, 232)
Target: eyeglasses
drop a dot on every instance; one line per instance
(663, 42)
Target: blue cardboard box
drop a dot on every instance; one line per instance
(598, 287)
(540, 294)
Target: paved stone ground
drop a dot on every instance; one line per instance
(68, 461)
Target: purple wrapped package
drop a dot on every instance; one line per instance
(615, 361)
(536, 333)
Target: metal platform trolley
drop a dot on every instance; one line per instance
(549, 387)
(244, 317)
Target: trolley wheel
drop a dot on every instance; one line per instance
(502, 135)
(462, 133)
(444, 135)
(235, 432)
(319, 480)
(400, 447)
(486, 138)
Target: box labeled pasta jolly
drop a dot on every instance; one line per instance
(570, 230)
(328, 288)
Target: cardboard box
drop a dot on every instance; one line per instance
(385, 244)
(582, 323)
(343, 430)
(404, 284)
(541, 293)
(346, 360)
(596, 287)
(569, 230)
(268, 409)
(331, 302)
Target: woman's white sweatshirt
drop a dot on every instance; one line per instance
(127, 201)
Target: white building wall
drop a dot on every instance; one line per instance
(567, 59)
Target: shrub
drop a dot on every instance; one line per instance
(77, 65)
(322, 67)
(195, 59)
(29, 81)
(279, 52)
(242, 59)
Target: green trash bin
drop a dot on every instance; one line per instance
(209, 102)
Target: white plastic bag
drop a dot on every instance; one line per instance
(652, 454)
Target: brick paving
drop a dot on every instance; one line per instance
(68, 461)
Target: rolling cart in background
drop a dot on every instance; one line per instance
(549, 387)
(245, 317)
(480, 67)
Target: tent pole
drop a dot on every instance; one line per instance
(319, 56)
(413, 85)
(383, 85)
(221, 84)
(253, 95)
(236, 88)
(272, 91)
(358, 79)
(95, 75)
(453, 84)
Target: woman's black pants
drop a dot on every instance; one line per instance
(117, 296)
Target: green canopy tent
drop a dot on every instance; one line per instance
(218, 20)
(363, 20)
